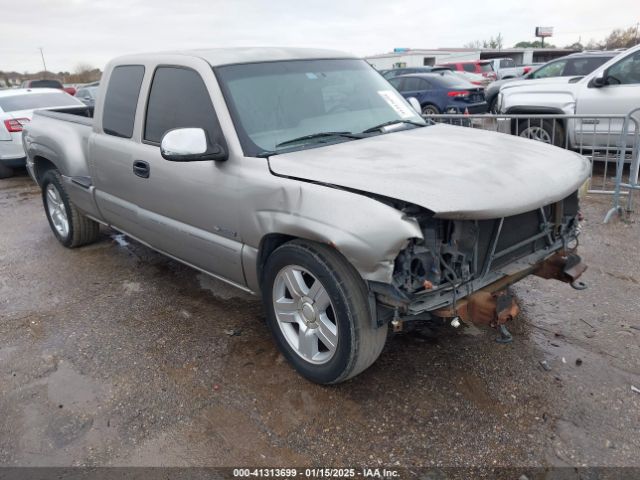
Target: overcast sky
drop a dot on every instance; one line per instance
(93, 31)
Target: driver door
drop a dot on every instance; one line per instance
(188, 209)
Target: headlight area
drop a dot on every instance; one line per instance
(462, 268)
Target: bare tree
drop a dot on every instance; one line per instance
(618, 38)
(496, 42)
(474, 44)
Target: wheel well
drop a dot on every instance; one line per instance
(40, 166)
(268, 244)
(534, 111)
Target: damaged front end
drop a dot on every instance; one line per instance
(463, 268)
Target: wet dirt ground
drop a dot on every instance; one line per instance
(114, 355)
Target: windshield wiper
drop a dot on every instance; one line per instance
(319, 135)
(393, 122)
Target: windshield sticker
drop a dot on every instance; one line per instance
(395, 101)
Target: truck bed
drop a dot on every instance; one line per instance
(81, 115)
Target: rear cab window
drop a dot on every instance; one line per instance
(121, 100)
(485, 67)
(178, 98)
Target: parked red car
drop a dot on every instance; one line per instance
(482, 67)
(47, 84)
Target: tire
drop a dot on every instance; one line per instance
(429, 109)
(547, 131)
(5, 172)
(493, 105)
(79, 230)
(337, 306)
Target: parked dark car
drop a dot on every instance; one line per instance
(441, 92)
(87, 95)
(576, 65)
(44, 83)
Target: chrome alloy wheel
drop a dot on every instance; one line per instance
(305, 314)
(57, 211)
(536, 133)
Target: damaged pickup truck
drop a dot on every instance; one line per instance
(303, 176)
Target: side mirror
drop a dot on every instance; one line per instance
(413, 101)
(600, 80)
(190, 145)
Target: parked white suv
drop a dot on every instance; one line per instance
(506, 68)
(612, 89)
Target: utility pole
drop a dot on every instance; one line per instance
(43, 62)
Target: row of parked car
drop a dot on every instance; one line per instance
(602, 82)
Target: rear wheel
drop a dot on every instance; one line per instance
(542, 130)
(71, 228)
(318, 312)
(430, 110)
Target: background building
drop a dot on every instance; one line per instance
(418, 57)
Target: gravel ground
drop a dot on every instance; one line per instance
(115, 355)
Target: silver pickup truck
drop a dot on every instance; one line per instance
(303, 176)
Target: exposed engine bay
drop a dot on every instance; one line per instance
(439, 274)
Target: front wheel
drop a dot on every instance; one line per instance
(493, 106)
(71, 228)
(430, 110)
(542, 130)
(318, 312)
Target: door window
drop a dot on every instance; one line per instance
(179, 99)
(583, 66)
(469, 67)
(551, 70)
(507, 63)
(626, 71)
(121, 100)
(397, 83)
(412, 84)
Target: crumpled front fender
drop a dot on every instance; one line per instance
(369, 233)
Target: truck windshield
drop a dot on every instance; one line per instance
(32, 101)
(275, 102)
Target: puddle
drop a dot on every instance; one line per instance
(220, 289)
(6, 352)
(132, 287)
(72, 390)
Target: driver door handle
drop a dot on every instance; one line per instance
(141, 168)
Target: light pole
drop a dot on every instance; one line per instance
(43, 62)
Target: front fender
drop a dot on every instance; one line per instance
(367, 232)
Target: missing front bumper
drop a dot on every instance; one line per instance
(494, 305)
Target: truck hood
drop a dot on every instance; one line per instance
(536, 82)
(537, 86)
(456, 172)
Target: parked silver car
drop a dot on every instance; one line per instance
(303, 176)
(16, 110)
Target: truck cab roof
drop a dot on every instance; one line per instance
(228, 56)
